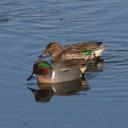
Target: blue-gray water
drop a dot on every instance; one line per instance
(27, 26)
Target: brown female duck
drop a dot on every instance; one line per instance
(84, 50)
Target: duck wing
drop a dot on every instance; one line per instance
(82, 46)
(69, 64)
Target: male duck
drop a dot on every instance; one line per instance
(84, 50)
(58, 73)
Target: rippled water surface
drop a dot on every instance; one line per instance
(25, 29)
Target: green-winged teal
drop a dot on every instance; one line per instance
(84, 50)
(57, 73)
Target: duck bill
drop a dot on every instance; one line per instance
(30, 77)
(40, 56)
(34, 91)
(44, 53)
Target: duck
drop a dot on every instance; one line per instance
(58, 73)
(79, 51)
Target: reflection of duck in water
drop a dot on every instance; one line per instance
(46, 91)
(84, 50)
(58, 73)
(97, 66)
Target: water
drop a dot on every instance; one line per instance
(25, 29)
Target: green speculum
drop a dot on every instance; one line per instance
(87, 52)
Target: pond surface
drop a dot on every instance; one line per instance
(26, 27)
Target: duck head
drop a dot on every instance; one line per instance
(52, 49)
(40, 68)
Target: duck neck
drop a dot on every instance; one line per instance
(56, 57)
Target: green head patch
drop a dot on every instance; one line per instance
(44, 65)
(87, 52)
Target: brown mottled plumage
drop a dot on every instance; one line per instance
(74, 51)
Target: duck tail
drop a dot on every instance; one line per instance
(99, 43)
